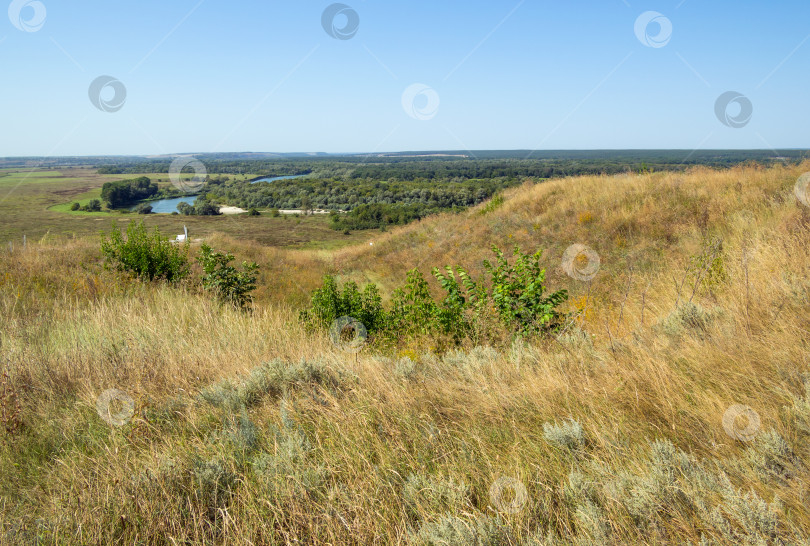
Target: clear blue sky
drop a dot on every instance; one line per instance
(217, 76)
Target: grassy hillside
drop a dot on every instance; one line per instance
(673, 408)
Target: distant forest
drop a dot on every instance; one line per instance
(447, 165)
(379, 190)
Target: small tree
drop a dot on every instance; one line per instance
(306, 204)
(230, 285)
(75, 206)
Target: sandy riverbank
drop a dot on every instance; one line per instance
(231, 210)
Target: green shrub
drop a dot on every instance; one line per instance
(231, 286)
(413, 309)
(254, 212)
(75, 206)
(328, 303)
(148, 257)
(516, 294)
(493, 205)
(93, 206)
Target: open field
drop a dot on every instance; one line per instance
(36, 203)
(674, 409)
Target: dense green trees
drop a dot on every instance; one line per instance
(380, 215)
(201, 207)
(455, 164)
(123, 193)
(403, 197)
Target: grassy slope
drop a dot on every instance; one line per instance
(350, 449)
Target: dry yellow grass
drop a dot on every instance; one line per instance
(369, 448)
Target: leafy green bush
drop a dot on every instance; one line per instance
(231, 286)
(75, 206)
(148, 257)
(414, 311)
(518, 292)
(329, 303)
